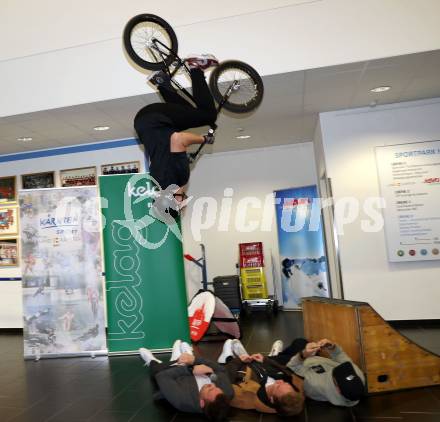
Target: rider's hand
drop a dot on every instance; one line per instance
(186, 359)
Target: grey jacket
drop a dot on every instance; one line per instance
(179, 387)
(318, 378)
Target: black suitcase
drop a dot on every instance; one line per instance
(227, 288)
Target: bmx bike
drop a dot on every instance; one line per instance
(152, 44)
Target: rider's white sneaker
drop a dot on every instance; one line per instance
(201, 61)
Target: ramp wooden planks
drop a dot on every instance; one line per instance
(390, 360)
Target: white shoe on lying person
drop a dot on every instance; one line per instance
(176, 352)
(147, 356)
(186, 348)
(277, 348)
(238, 348)
(226, 352)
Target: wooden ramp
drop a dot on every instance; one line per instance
(390, 360)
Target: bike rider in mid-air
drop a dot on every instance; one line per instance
(161, 127)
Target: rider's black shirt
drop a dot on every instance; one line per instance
(154, 131)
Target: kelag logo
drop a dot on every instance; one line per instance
(146, 189)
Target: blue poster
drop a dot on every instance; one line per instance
(303, 262)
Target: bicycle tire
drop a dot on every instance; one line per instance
(250, 92)
(140, 53)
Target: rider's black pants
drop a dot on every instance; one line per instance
(180, 111)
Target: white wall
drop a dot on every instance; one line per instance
(61, 53)
(396, 290)
(10, 291)
(252, 173)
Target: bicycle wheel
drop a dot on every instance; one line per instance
(139, 34)
(248, 91)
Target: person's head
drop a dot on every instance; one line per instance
(168, 203)
(214, 403)
(180, 195)
(286, 399)
(348, 382)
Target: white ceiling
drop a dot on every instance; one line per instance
(287, 115)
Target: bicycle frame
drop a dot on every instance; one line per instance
(171, 73)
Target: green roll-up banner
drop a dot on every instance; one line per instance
(145, 281)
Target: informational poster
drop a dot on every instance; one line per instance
(409, 176)
(61, 272)
(303, 262)
(144, 270)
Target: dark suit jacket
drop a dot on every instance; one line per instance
(179, 387)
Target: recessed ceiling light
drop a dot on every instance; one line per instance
(24, 139)
(101, 128)
(381, 89)
(243, 137)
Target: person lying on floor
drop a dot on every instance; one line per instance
(336, 379)
(191, 384)
(260, 383)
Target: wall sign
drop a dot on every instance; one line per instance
(409, 176)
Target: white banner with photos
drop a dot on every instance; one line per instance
(61, 272)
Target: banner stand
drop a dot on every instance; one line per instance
(63, 308)
(144, 269)
(303, 260)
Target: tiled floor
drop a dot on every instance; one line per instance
(118, 389)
